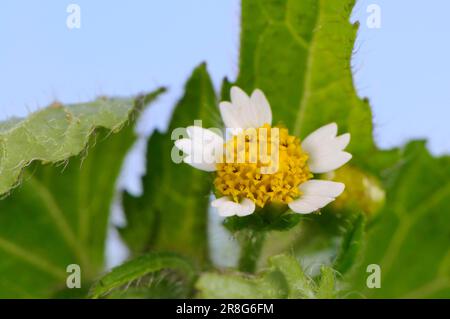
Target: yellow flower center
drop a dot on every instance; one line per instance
(265, 165)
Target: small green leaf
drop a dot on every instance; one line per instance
(139, 267)
(351, 246)
(326, 288)
(300, 286)
(284, 278)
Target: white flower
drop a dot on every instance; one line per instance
(241, 184)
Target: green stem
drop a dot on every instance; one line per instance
(251, 248)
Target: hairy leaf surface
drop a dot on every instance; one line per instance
(134, 270)
(59, 214)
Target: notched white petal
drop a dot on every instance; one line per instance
(301, 207)
(325, 149)
(245, 112)
(198, 133)
(239, 97)
(230, 116)
(247, 207)
(322, 134)
(342, 141)
(227, 207)
(203, 166)
(317, 201)
(262, 108)
(329, 162)
(322, 188)
(316, 194)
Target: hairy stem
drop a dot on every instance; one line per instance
(251, 248)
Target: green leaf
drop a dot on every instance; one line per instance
(54, 134)
(350, 249)
(138, 268)
(283, 279)
(409, 240)
(298, 53)
(59, 214)
(300, 286)
(326, 288)
(171, 214)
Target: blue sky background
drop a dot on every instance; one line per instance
(404, 69)
(126, 47)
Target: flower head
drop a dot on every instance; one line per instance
(261, 164)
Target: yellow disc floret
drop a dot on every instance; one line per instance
(265, 165)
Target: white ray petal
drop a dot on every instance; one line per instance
(321, 135)
(325, 150)
(302, 207)
(327, 163)
(229, 115)
(342, 141)
(316, 194)
(249, 116)
(227, 207)
(239, 97)
(204, 135)
(245, 112)
(203, 166)
(242, 105)
(258, 101)
(317, 201)
(220, 201)
(322, 188)
(247, 207)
